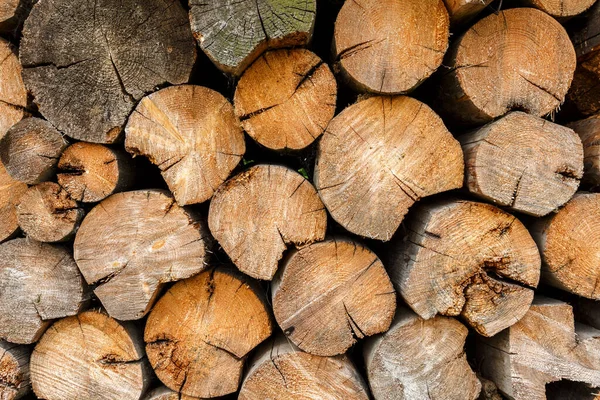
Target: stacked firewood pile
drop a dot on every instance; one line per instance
(299, 199)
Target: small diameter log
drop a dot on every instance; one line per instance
(90, 356)
(199, 333)
(13, 95)
(523, 162)
(328, 295)
(378, 157)
(468, 259)
(560, 9)
(47, 213)
(256, 214)
(544, 346)
(132, 243)
(10, 195)
(420, 359)
(38, 282)
(88, 63)
(519, 58)
(30, 150)
(589, 131)
(568, 244)
(192, 134)
(14, 371)
(91, 172)
(463, 11)
(234, 33)
(390, 46)
(281, 371)
(286, 99)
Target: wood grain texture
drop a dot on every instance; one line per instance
(567, 242)
(286, 99)
(469, 259)
(88, 63)
(14, 371)
(30, 150)
(13, 95)
(524, 163)
(234, 33)
(390, 46)
(192, 134)
(11, 191)
(420, 359)
(199, 333)
(328, 295)
(47, 213)
(281, 371)
(520, 58)
(258, 213)
(90, 356)
(589, 131)
(561, 9)
(463, 11)
(91, 172)
(545, 346)
(8, 9)
(164, 393)
(378, 157)
(39, 282)
(132, 243)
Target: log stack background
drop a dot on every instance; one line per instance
(299, 199)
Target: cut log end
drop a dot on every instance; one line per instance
(13, 95)
(390, 46)
(463, 11)
(329, 294)
(468, 259)
(280, 370)
(265, 24)
(286, 99)
(524, 163)
(255, 215)
(378, 157)
(561, 9)
(589, 132)
(519, 58)
(192, 134)
(14, 371)
(199, 333)
(436, 346)
(89, 356)
(91, 172)
(11, 192)
(30, 150)
(40, 282)
(47, 213)
(132, 243)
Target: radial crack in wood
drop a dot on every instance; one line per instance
(11, 191)
(519, 58)
(14, 371)
(378, 157)
(286, 99)
(13, 95)
(90, 356)
(420, 359)
(192, 134)
(199, 333)
(39, 282)
(523, 162)
(233, 33)
(328, 295)
(468, 259)
(132, 243)
(256, 214)
(87, 63)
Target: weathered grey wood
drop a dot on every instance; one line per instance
(233, 33)
(13, 95)
(90, 356)
(544, 346)
(11, 191)
(39, 282)
(30, 150)
(523, 162)
(280, 370)
(14, 371)
(88, 62)
(164, 393)
(132, 243)
(420, 359)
